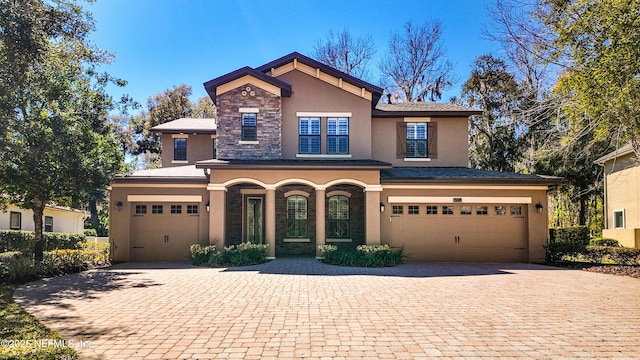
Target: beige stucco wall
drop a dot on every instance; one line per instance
(452, 142)
(623, 191)
(626, 237)
(314, 95)
(120, 221)
(308, 177)
(64, 221)
(536, 231)
(199, 147)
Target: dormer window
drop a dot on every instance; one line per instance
(249, 127)
(337, 135)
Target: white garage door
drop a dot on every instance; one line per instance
(163, 232)
(454, 232)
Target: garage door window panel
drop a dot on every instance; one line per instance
(432, 210)
(192, 209)
(482, 210)
(447, 210)
(465, 210)
(156, 209)
(397, 209)
(141, 209)
(516, 210)
(413, 210)
(176, 209)
(500, 210)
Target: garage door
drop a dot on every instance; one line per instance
(455, 232)
(163, 232)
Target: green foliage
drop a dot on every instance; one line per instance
(200, 254)
(494, 143)
(573, 235)
(101, 225)
(24, 241)
(557, 251)
(90, 232)
(564, 252)
(604, 242)
(240, 255)
(363, 256)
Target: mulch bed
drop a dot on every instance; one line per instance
(621, 270)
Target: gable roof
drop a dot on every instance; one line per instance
(422, 109)
(187, 174)
(211, 85)
(626, 149)
(188, 125)
(375, 90)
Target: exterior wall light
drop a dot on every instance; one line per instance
(381, 207)
(118, 205)
(539, 208)
(208, 206)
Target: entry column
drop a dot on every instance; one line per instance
(372, 216)
(270, 222)
(320, 219)
(217, 201)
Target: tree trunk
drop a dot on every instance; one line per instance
(582, 214)
(93, 209)
(38, 213)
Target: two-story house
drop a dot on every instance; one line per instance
(303, 155)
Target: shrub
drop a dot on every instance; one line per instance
(556, 251)
(574, 235)
(363, 256)
(200, 254)
(24, 241)
(90, 232)
(16, 267)
(604, 242)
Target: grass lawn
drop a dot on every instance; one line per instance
(17, 326)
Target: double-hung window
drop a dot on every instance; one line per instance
(249, 127)
(179, 149)
(417, 140)
(309, 135)
(338, 224)
(338, 135)
(15, 222)
(48, 224)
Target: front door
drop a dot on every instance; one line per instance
(254, 220)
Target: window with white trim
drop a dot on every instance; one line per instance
(618, 219)
(15, 220)
(180, 149)
(297, 217)
(249, 127)
(338, 135)
(309, 135)
(48, 224)
(417, 140)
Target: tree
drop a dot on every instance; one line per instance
(57, 143)
(346, 53)
(602, 42)
(493, 138)
(163, 107)
(415, 63)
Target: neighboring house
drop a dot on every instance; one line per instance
(622, 196)
(56, 219)
(303, 155)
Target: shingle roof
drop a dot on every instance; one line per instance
(188, 125)
(293, 164)
(423, 109)
(626, 149)
(187, 173)
(211, 85)
(461, 174)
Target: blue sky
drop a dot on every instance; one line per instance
(162, 43)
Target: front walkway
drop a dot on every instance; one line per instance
(300, 308)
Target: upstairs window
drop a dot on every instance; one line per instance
(416, 140)
(309, 135)
(215, 148)
(180, 149)
(337, 135)
(249, 127)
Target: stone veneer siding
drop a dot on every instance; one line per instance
(269, 125)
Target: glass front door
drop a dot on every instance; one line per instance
(254, 220)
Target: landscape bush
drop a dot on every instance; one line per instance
(233, 255)
(574, 235)
(90, 232)
(16, 267)
(363, 256)
(24, 241)
(604, 242)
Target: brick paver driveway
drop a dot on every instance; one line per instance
(297, 308)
